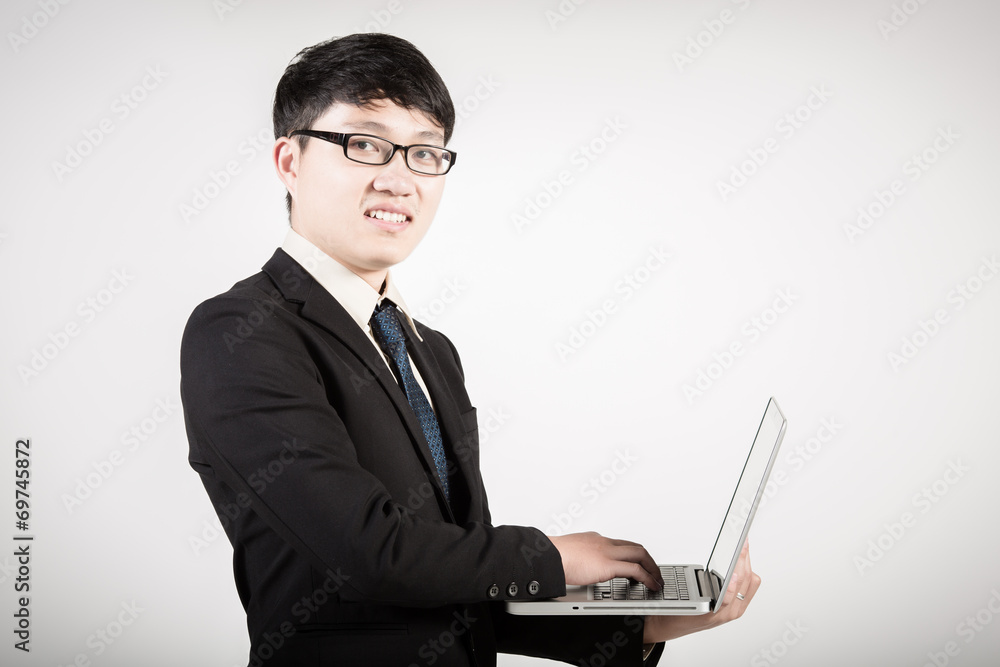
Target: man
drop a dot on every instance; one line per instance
(334, 434)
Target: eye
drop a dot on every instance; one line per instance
(426, 155)
(364, 145)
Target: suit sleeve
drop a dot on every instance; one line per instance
(262, 421)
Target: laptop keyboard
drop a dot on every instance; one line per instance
(622, 588)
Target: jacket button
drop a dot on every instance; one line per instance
(512, 589)
(494, 591)
(533, 588)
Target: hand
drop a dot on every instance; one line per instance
(588, 558)
(744, 581)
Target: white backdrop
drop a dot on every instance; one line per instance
(641, 187)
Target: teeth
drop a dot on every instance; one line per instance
(387, 216)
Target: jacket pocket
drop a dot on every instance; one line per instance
(469, 421)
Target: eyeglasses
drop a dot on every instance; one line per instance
(368, 149)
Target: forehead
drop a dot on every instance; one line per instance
(383, 118)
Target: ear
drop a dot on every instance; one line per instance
(285, 156)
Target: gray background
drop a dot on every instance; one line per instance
(533, 86)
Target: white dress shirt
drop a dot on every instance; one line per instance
(352, 292)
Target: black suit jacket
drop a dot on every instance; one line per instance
(345, 551)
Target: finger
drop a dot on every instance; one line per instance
(748, 567)
(635, 563)
(640, 556)
(734, 582)
(749, 587)
(743, 566)
(738, 584)
(636, 571)
(748, 591)
(743, 562)
(754, 586)
(744, 594)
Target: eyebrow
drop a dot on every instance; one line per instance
(375, 126)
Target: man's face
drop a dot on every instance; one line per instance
(336, 201)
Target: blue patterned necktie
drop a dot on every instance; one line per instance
(389, 334)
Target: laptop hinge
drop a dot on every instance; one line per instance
(709, 586)
(704, 589)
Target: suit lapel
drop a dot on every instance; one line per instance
(321, 308)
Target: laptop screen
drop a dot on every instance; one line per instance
(726, 552)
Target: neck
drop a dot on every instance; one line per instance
(377, 279)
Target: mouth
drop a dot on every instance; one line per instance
(387, 216)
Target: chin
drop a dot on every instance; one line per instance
(391, 261)
(388, 255)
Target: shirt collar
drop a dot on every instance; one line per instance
(356, 296)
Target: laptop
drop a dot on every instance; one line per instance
(688, 589)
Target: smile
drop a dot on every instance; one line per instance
(387, 216)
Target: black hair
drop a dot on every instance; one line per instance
(358, 69)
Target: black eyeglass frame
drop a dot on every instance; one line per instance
(341, 138)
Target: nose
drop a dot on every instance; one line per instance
(395, 177)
